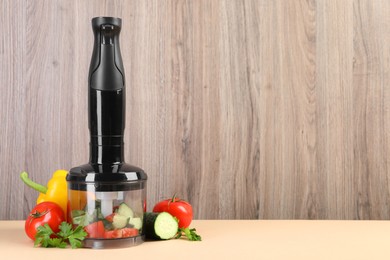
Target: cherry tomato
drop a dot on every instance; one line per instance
(95, 229)
(44, 213)
(178, 208)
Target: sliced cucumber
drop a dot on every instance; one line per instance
(119, 221)
(136, 222)
(125, 210)
(159, 226)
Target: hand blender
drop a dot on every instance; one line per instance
(106, 196)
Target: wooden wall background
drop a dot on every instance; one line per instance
(249, 109)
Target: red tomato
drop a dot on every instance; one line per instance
(178, 208)
(45, 212)
(95, 230)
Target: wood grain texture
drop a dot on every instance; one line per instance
(250, 109)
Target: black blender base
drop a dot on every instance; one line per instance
(113, 243)
(97, 190)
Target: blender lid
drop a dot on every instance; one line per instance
(114, 177)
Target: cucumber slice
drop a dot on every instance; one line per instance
(160, 226)
(136, 222)
(119, 221)
(125, 210)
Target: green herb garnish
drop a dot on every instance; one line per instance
(45, 237)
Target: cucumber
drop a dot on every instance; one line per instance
(136, 222)
(125, 210)
(160, 226)
(119, 221)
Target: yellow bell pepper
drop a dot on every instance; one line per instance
(56, 190)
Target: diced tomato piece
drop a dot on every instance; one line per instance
(119, 233)
(110, 217)
(129, 232)
(95, 230)
(116, 233)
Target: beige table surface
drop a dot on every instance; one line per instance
(230, 239)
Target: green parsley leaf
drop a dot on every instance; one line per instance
(76, 236)
(65, 229)
(189, 233)
(75, 243)
(42, 237)
(57, 242)
(66, 234)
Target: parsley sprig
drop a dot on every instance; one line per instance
(189, 233)
(45, 237)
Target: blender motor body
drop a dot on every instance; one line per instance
(107, 196)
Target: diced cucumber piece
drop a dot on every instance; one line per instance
(125, 210)
(159, 226)
(136, 222)
(119, 221)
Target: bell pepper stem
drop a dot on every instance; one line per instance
(32, 184)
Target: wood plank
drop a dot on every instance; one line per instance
(248, 109)
(371, 108)
(13, 110)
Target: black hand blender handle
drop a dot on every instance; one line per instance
(106, 99)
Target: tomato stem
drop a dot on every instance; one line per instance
(173, 198)
(38, 214)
